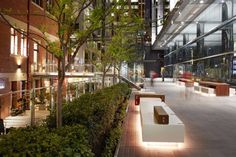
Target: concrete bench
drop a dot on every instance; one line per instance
(206, 90)
(154, 132)
(231, 91)
(197, 88)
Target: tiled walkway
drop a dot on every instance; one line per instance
(210, 125)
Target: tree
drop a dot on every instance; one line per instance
(122, 46)
(76, 21)
(89, 15)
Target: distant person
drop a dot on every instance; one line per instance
(153, 75)
(163, 74)
(136, 76)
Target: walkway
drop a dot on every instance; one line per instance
(210, 125)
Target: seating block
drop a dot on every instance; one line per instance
(232, 91)
(197, 88)
(208, 90)
(154, 132)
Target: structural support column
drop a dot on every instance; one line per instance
(227, 32)
(200, 43)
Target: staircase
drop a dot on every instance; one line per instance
(132, 84)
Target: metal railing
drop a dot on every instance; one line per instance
(52, 68)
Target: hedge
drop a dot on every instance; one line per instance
(40, 141)
(91, 127)
(96, 111)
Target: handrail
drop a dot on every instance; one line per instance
(27, 91)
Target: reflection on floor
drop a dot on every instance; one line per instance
(209, 125)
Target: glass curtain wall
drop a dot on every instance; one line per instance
(212, 57)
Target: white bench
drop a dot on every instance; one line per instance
(180, 83)
(231, 91)
(206, 90)
(197, 88)
(154, 132)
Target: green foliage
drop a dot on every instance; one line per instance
(92, 128)
(40, 141)
(97, 112)
(55, 48)
(114, 135)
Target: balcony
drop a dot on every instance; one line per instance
(50, 70)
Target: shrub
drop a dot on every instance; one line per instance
(97, 111)
(114, 135)
(90, 122)
(40, 141)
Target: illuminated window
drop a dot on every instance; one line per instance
(2, 84)
(14, 41)
(35, 57)
(23, 45)
(36, 49)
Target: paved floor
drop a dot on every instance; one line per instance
(210, 125)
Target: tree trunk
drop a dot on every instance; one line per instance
(119, 67)
(103, 77)
(114, 74)
(61, 77)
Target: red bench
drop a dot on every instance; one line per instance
(148, 95)
(221, 89)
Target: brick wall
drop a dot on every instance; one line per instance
(17, 14)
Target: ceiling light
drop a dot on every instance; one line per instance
(201, 1)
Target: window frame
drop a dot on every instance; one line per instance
(13, 42)
(23, 45)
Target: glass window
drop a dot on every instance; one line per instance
(23, 45)
(14, 41)
(36, 49)
(2, 84)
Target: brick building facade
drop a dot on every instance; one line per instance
(13, 47)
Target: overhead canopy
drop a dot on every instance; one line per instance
(184, 20)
